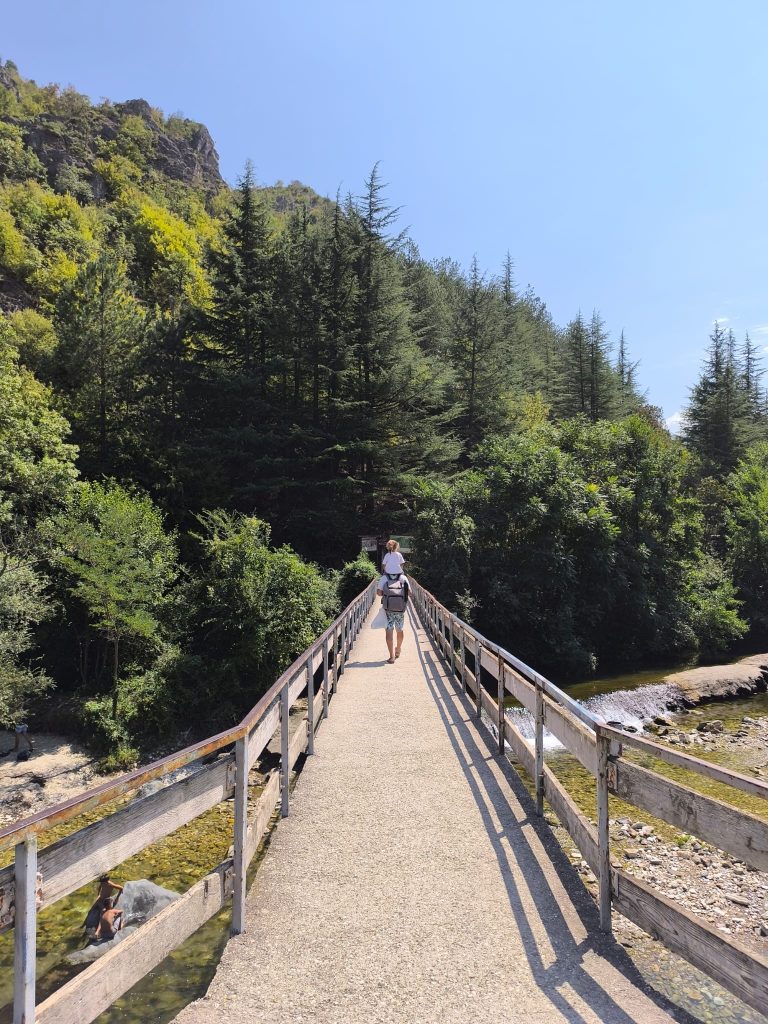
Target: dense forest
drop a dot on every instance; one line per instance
(207, 394)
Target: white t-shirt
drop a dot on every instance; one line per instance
(393, 562)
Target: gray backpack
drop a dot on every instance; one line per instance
(395, 593)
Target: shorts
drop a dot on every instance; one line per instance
(21, 729)
(395, 620)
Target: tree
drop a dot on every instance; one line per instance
(747, 533)
(717, 420)
(99, 323)
(121, 565)
(258, 608)
(36, 474)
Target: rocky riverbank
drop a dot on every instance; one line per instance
(721, 682)
(726, 893)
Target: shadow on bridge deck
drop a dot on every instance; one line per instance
(412, 883)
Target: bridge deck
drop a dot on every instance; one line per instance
(410, 882)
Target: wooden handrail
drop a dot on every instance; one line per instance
(599, 749)
(74, 860)
(43, 820)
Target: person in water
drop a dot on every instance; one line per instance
(108, 891)
(110, 922)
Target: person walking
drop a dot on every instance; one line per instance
(393, 589)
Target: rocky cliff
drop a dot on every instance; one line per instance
(70, 135)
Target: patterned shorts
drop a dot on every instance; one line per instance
(395, 620)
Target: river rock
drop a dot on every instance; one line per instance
(139, 901)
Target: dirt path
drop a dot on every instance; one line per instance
(410, 882)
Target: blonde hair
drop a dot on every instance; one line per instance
(392, 545)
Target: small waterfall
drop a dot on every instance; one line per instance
(628, 708)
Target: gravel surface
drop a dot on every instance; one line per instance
(409, 884)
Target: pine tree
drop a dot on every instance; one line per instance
(100, 326)
(717, 420)
(627, 398)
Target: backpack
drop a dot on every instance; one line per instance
(395, 593)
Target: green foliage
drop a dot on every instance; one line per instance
(121, 567)
(355, 577)
(23, 604)
(17, 163)
(258, 607)
(747, 532)
(99, 323)
(582, 545)
(726, 412)
(36, 474)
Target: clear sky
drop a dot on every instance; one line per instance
(618, 150)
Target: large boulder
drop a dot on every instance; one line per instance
(139, 901)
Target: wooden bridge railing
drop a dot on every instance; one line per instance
(599, 748)
(38, 879)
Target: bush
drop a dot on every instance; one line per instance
(354, 577)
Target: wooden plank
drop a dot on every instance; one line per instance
(25, 937)
(471, 681)
(470, 643)
(521, 690)
(574, 736)
(580, 830)
(742, 971)
(92, 991)
(603, 837)
(263, 733)
(298, 743)
(285, 763)
(319, 696)
(240, 865)
(488, 704)
(713, 771)
(490, 663)
(738, 833)
(310, 710)
(538, 749)
(83, 856)
(522, 750)
(266, 805)
(297, 687)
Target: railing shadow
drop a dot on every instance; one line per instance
(456, 711)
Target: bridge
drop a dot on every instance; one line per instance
(410, 876)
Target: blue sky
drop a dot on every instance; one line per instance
(617, 150)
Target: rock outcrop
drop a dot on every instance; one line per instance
(719, 682)
(180, 149)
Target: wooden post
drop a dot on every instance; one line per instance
(335, 662)
(241, 831)
(25, 933)
(285, 768)
(311, 704)
(463, 663)
(478, 678)
(539, 751)
(603, 835)
(500, 698)
(325, 678)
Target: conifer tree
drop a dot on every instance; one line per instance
(717, 419)
(100, 325)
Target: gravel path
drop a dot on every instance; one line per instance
(410, 883)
